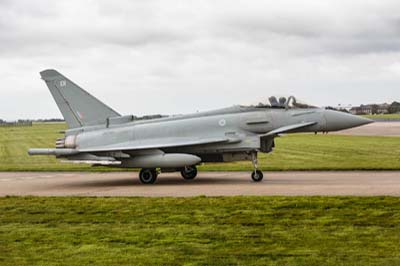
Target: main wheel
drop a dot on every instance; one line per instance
(257, 176)
(189, 172)
(148, 176)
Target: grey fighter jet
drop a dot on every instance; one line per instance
(98, 135)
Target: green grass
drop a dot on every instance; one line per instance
(15, 142)
(200, 231)
(293, 152)
(384, 117)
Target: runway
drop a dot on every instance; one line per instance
(384, 129)
(207, 183)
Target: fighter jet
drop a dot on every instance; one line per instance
(98, 135)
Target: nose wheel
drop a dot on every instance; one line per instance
(256, 175)
(148, 176)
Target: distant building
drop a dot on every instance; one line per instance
(383, 108)
(370, 109)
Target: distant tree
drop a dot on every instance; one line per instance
(23, 121)
(50, 120)
(336, 109)
(394, 108)
(330, 108)
(374, 109)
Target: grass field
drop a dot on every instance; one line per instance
(384, 117)
(293, 152)
(200, 231)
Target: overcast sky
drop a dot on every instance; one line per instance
(169, 57)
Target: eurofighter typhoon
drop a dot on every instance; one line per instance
(98, 135)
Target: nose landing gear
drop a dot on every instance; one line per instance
(256, 175)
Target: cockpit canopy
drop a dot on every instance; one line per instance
(290, 102)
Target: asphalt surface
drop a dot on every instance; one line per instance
(387, 129)
(207, 183)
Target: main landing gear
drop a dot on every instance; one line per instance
(148, 176)
(189, 172)
(256, 175)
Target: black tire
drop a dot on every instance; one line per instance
(257, 176)
(148, 176)
(189, 172)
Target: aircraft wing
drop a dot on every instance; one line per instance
(287, 129)
(157, 144)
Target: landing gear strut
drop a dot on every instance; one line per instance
(189, 172)
(256, 175)
(148, 176)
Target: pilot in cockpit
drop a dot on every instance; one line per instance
(284, 103)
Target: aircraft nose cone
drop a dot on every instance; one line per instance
(338, 120)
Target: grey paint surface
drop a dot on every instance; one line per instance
(207, 183)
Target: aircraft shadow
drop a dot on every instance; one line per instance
(162, 181)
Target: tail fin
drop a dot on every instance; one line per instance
(77, 106)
